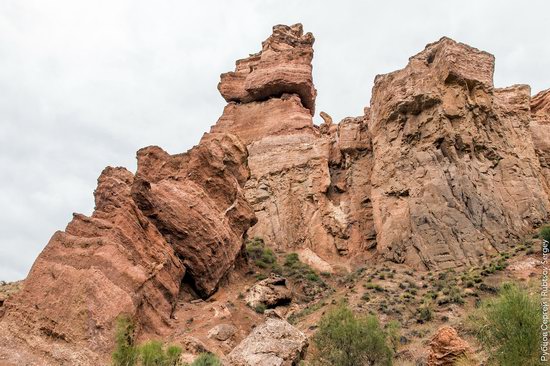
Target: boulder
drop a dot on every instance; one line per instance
(222, 332)
(273, 343)
(446, 347)
(270, 292)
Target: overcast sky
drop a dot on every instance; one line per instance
(84, 84)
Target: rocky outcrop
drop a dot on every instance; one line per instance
(540, 132)
(446, 347)
(274, 343)
(270, 293)
(455, 175)
(440, 171)
(181, 218)
(114, 262)
(300, 173)
(196, 201)
(283, 66)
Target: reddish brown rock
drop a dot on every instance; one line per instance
(256, 120)
(114, 262)
(283, 66)
(446, 347)
(196, 201)
(291, 160)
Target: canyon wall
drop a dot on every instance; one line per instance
(440, 171)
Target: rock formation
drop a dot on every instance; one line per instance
(274, 343)
(446, 347)
(540, 132)
(270, 293)
(179, 213)
(196, 201)
(439, 172)
(298, 174)
(442, 170)
(455, 175)
(283, 66)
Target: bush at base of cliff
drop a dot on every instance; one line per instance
(125, 353)
(508, 326)
(207, 359)
(151, 353)
(346, 339)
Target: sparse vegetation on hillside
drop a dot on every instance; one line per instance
(262, 256)
(508, 326)
(346, 339)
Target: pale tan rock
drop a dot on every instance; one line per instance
(222, 332)
(270, 292)
(273, 343)
(455, 176)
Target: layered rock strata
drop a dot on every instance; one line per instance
(181, 217)
(439, 172)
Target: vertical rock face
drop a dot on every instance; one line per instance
(540, 132)
(440, 171)
(292, 162)
(181, 216)
(455, 174)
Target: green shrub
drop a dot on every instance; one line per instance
(260, 308)
(207, 359)
(152, 353)
(262, 257)
(345, 339)
(296, 269)
(508, 326)
(173, 354)
(125, 353)
(545, 233)
(424, 314)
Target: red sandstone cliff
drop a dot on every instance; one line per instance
(441, 171)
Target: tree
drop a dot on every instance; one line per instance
(345, 339)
